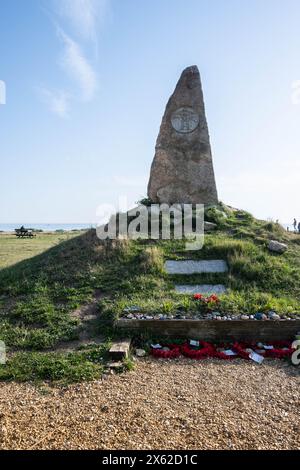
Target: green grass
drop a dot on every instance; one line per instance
(55, 367)
(257, 280)
(13, 250)
(43, 280)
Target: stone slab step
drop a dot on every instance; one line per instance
(115, 365)
(209, 289)
(120, 349)
(196, 267)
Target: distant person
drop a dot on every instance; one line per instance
(288, 229)
(295, 225)
(299, 227)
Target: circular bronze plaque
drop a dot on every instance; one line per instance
(185, 120)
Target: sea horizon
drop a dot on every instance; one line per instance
(53, 227)
(46, 227)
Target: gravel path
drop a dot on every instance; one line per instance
(180, 404)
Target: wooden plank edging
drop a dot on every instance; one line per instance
(212, 330)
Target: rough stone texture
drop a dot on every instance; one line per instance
(195, 267)
(182, 169)
(277, 246)
(209, 226)
(201, 289)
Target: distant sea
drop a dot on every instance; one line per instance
(66, 227)
(45, 227)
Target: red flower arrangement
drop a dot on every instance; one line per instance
(174, 351)
(198, 296)
(206, 350)
(240, 350)
(222, 355)
(281, 350)
(211, 299)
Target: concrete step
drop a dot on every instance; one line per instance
(196, 267)
(120, 349)
(208, 289)
(115, 365)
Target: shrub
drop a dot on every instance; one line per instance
(146, 201)
(215, 216)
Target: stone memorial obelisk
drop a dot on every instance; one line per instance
(182, 169)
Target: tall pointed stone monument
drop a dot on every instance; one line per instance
(182, 169)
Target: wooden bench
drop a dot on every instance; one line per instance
(24, 233)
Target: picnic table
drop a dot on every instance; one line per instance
(24, 233)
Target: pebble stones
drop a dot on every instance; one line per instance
(258, 316)
(209, 226)
(245, 317)
(131, 410)
(215, 315)
(277, 247)
(140, 352)
(130, 316)
(210, 316)
(273, 316)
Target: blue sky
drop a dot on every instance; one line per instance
(87, 82)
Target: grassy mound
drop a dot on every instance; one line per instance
(39, 295)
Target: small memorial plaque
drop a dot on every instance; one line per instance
(185, 120)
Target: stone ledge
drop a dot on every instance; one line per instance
(208, 289)
(195, 266)
(211, 330)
